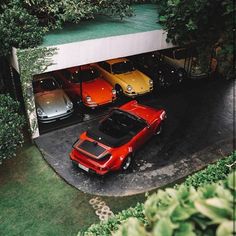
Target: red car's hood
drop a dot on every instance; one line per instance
(98, 89)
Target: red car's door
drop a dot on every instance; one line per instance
(141, 137)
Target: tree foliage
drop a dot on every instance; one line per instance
(18, 28)
(24, 23)
(11, 124)
(53, 14)
(206, 24)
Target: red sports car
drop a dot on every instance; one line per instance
(95, 90)
(112, 144)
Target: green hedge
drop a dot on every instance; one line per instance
(11, 124)
(213, 173)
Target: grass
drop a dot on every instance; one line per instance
(35, 201)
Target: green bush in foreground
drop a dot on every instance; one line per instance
(213, 173)
(186, 211)
(11, 124)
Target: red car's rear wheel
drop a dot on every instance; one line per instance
(127, 163)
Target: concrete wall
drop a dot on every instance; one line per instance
(95, 50)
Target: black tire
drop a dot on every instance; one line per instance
(158, 130)
(126, 163)
(119, 90)
(74, 164)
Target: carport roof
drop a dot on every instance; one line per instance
(144, 19)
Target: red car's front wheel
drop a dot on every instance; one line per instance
(158, 130)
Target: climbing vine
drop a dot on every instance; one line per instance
(32, 62)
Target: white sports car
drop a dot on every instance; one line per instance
(51, 101)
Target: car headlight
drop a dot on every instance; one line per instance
(129, 88)
(40, 112)
(150, 82)
(113, 91)
(69, 104)
(88, 99)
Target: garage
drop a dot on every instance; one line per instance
(97, 41)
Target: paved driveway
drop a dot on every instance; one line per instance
(198, 131)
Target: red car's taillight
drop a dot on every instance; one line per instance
(104, 158)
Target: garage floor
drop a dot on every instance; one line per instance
(198, 131)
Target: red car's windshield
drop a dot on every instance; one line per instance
(119, 124)
(84, 75)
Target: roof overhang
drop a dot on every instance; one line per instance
(94, 50)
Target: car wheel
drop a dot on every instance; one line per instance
(119, 90)
(158, 130)
(127, 162)
(74, 164)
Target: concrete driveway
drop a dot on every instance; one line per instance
(198, 131)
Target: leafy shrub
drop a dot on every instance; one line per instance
(213, 173)
(188, 212)
(11, 124)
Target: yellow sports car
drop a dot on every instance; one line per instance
(122, 75)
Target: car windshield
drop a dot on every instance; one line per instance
(84, 75)
(45, 84)
(122, 67)
(120, 124)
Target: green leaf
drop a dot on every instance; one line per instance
(225, 228)
(220, 203)
(185, 229)
(217, 215)
(232, 181)
(224, 193)
(164, 227)
(182, 213)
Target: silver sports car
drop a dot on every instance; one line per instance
(51, 101)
